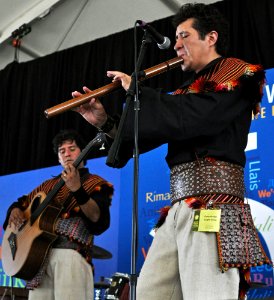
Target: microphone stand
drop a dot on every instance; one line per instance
(112, 159)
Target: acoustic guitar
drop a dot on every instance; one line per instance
(25, 249)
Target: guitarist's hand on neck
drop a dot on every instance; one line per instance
(67, 154)
(71, 177)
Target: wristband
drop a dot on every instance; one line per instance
(81, 196)
(109, 124)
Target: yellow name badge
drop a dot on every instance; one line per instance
(207, 220)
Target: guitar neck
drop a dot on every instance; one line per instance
(97, 141)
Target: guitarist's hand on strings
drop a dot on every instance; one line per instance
(17, 217)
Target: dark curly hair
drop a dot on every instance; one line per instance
(67, 135)
(206, 18)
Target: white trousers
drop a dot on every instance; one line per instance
(183, 265)
(68, 276)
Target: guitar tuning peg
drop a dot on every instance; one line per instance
(102, 147)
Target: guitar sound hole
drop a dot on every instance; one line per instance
(35, 203)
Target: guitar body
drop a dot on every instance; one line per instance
(25, 249)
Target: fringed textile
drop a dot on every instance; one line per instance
(227, 75)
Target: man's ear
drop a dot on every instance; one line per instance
(212, 37)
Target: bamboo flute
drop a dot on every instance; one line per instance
(77, 101)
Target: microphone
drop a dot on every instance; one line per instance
(163, 42)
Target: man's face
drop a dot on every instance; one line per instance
(68, 152)
(194, 51)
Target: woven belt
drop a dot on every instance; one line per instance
(206, 176)
(75, 229)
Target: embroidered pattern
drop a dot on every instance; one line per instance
(227, 75)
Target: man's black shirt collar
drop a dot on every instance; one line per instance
(193, 76)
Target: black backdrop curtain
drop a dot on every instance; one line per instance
(27, 89)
